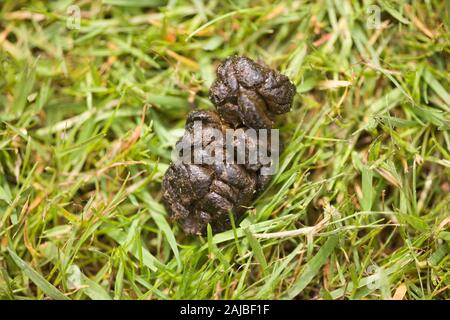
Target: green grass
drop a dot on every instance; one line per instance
(359, 208)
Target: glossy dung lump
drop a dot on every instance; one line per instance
(246, 94)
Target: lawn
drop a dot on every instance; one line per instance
(94, 95)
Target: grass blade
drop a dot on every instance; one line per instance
(312, 268)
(38, 280)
